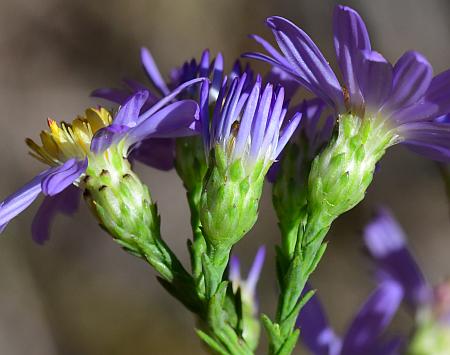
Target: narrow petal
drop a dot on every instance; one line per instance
(66, 202)
(439, 93)
(234, 270)
(153, 72)
(204, 114)
(315, 331)
(63, 176)
(412, 77)
(203, 68)
(375, 80)
(270, 49)
(107, 136)
(159, 153)
(255, 270)
(21, 199)
(350, 37)
(246, 122)
(166, 100)
(174, 120)
(386, 243)
(311, 67)
(431, 139)
(217, 76)
(128, 114)
(373, 318)
(287, 133)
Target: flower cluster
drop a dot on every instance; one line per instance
(225, 132)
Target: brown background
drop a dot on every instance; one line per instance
(80, 294)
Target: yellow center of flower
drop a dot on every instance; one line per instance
(66, 141)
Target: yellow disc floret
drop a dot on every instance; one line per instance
(66, 141)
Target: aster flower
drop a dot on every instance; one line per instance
(405, 99)
(363, 336)
(242, 140)
(160, 152)
(189, 70)
(88, 147)
(246, 290)
(386, 243)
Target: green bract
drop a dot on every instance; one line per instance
(230, 199)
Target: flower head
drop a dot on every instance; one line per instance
(364, 333)
(242, 140)
(405, 97)
(94, 145)
(246, 122)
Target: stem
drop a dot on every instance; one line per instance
(308, 252)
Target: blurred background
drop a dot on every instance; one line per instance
(80, 293)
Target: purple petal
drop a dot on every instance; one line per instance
(270, 49)
(276, 64)
(373, 318)
(107, 136)
(21, 199)
(311, 67)
(204, 64)
(260, 121)
(315, 331)
(430, 139)
(420, 111)
(153, 72)
(375, 79)
(167, 99)
(158, 153)
(412, 77)
(439, 93)
(66, 202)
(128, 114)
(115, 95)
(204, 114)
(63, 176)
(287, 133)
(255, 270)
(217, 76)
(246, 121)
(175, 120)
(234, 271)
(386, 243)
(350, 37)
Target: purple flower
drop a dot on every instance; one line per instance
(404, 96)
(71, 150)
(246, 122)
(247, 286)
(160, 153)
(363, 336)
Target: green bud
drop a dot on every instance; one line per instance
(230, 199)
(119, 199)
(341, 173)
